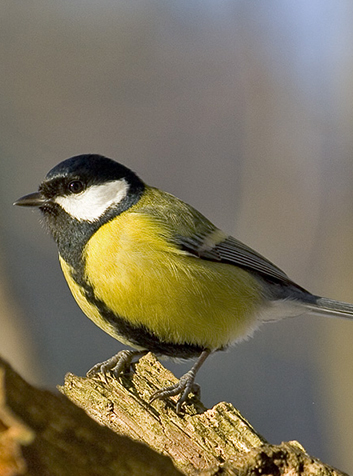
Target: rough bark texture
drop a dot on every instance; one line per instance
(46, 434)
(43, 434)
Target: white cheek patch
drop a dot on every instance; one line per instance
(91, 204)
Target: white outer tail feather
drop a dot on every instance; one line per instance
(284, 308)
(331, 308)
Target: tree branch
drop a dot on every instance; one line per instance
(42, 433)
(45, 434)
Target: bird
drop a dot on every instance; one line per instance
(156, 274)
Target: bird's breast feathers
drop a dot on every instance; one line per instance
(134, 267)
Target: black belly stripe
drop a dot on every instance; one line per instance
(138, 335)
(71, 244)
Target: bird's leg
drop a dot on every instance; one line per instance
(117, 364)
(185, 385)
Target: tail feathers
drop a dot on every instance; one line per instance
(331, 308)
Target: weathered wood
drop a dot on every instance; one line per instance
(43, 434)
(200, 441)
(46, 434)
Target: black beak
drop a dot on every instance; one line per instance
(35, 199)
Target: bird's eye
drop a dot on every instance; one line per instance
(76, 186)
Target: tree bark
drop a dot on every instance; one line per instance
(42, 433)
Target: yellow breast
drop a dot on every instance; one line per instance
(135, 269)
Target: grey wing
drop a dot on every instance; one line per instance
(233, 251)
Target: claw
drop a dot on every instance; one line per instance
(121, 362)
(117, 364)
(185, 385)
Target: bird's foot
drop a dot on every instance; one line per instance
(185, 386)
(117, 364)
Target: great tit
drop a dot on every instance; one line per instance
(157, 275)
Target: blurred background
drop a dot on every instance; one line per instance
(242, 108)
